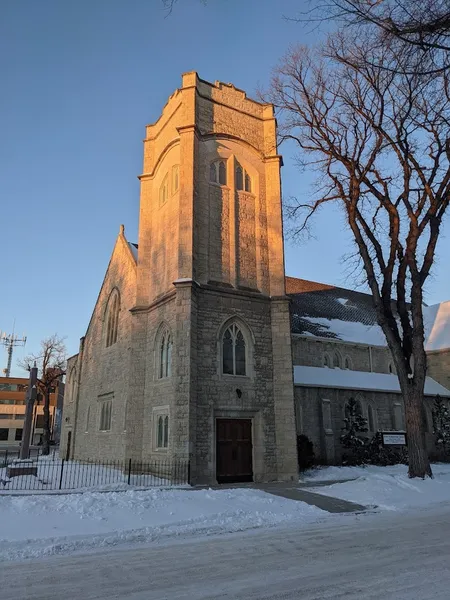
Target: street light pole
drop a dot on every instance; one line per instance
(31, 397)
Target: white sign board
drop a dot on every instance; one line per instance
(394, 439)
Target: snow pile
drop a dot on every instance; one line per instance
(387, 488)
(32, 526)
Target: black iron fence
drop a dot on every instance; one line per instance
(51, 473)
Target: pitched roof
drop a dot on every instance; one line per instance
(331, 312)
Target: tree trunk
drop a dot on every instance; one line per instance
(46, 436)
(418, 463)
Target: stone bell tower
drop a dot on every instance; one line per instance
(211, 285)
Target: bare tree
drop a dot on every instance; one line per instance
(51, 363)
(420, 29)
(379, 142)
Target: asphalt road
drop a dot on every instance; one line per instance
(393, 557)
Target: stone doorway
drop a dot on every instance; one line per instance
(234, 461)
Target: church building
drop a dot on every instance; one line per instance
(199, 347)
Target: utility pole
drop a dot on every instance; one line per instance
(10, 341)
(31, 398)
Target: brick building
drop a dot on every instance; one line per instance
(189, 351)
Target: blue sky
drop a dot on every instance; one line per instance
(79, 82)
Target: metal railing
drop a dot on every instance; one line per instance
(52, 473)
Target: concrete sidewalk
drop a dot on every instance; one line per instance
(293, 492)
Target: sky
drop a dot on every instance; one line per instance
(79, 82)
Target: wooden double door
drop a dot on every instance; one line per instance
(234, 451)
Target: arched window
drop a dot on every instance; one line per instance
(112, 319)
(164, 345)
(336, 361)
(347, 363)
(326, 361)
(233, 351)
(164, 190)
(239, 178)
(175, 178)
(248, 183)
(371, 423)
(353, 412)
(222, 173)
(218, 172)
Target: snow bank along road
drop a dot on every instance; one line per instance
(402, 556)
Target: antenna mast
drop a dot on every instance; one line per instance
(10, 341)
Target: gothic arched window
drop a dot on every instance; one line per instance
(326, 360)
(248, 183)
(218, 172)
(234, 357)
(164, 190)
(112, 318)
(165, 355)
(336, 361)
(162, 431)
(347, 363)
(239, 178)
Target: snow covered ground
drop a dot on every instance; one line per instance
(33, 526)
(387, 488)
(53, 474)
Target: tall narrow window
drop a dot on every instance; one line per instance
(164, 191)
(112, 319)
(105, 415)
(233, 352)
(336, 361)
(162, 431)
(371, 418)
(347, 363)
(248, 183)
(213, 173)
(175, 178)
(222, 173)
(326, 360)
(87, 418)
(239, 178)
(165, 355)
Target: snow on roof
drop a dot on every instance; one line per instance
(357, 380)
(330, 312)
(349, 331)
(134, 250)
(437, 326)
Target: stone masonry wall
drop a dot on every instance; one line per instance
(104, 372)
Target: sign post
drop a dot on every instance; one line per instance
(393, 438)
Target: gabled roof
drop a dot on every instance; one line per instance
(326, 311)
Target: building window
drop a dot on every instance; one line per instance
(175, 178)
(352, 412)
(112, 319)
(371, 423)
(105, 415)
(326, 361)
(165, 355)
(163, 432)
(243, 180)
(18, 435)
(218, 172)
(391, 368)
(4, 435)
(347, 363)
(336, 361)
(164, 190)
(161, 428)
(233, 351)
